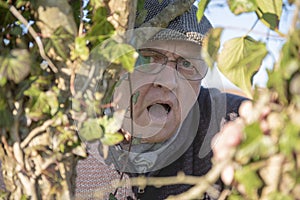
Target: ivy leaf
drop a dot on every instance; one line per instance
(81, 50)
(277, 83)
(269, 13)
(6, 117)
(248, 147)
(141, 17)
(120, 54)
(241, 6)
(41, 103)
(60, 41)
(112, 138)
(211, 46)
(240, 59)
(15, 65)
(113, 124)
(249, 178)
(101, 28)
(201, 8)
(289, 140)
(91, 130)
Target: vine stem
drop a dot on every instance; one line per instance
(35, 36)
(35, 132)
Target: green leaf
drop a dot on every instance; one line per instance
(251, 181)
(20, 3)
(114, 123)
(141, 13)
(60, 40)
(256, 145)
(248, 147)
(279, 196)
(201, 8)
(15, 65)
(290, 139)
(16, 31)
(96, 3)
(90, 130)
(211, 46)
(112, 138)
(112, 197)
(6, 117)
(241, 6)
(81, 50)
(278, 83)
(269, 12)
(240, 59)
(101, 28)
(3, 80)
(135, 97)
(141, 17)
(120, 54)
(44, 103)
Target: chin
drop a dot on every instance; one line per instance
(161, 136)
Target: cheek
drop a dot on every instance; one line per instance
(196, 87)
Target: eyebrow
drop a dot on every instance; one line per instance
(164, 51)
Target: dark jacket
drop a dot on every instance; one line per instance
(215, 108)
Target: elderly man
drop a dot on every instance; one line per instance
(170, 119)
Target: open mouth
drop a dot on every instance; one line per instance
(159, 110)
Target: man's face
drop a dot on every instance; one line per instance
(161, 94)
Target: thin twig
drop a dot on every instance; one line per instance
(14, 131)
(201, 184)
(252, 27)
(87, 82)
(72, 83)
(36, 131)
(80, 30)
(35, 36)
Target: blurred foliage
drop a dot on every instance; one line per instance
(38, 105)
(266, 163)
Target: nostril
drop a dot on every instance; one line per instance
(157, 85)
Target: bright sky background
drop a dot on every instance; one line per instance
(235, 26)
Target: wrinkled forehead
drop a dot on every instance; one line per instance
(185, 49)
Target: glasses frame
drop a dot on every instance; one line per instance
(166, 60)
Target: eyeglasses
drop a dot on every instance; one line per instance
(188, 68)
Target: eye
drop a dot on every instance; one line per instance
(144, 59)
(185, 63)
(149, 56)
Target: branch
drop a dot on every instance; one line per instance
(80, 30)
(37, 39)
(35, 132)
(201, 184)
(204, 182)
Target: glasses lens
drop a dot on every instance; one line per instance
(191, 69)
(148, 60)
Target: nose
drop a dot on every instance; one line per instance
(168, 76)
